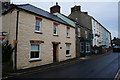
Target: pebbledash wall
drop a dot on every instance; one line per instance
(26, 33)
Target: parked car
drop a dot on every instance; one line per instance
(116, 49)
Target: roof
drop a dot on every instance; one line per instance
(100, 24)
(35, 10)
(66, 19)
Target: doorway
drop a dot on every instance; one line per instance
(55, 52)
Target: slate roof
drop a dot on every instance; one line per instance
(35, 10)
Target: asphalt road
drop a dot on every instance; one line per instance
(101, 67)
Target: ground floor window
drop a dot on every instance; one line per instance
(68, 50)
(82, 47)
(87, 47)
(34, 51)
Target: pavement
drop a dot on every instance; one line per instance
(52, 66)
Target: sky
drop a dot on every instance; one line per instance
(105, 12)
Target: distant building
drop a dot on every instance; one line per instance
(101, 36)
(41, 37)
(84, 20)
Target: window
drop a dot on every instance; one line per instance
(68, 50)
(35, 51)
(55, 29)
(68, 32)
(81, 47)
(86, 34)
(87, 47)
(78, 32)
(38, 25)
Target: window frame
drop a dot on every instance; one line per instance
(33, 59)
(40, 24)
(55, 28)
(68, 32)
(68, 49)
(78, 32)
(82, 51)
(86, 34)
(87, 47)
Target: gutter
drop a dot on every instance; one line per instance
(15, 54)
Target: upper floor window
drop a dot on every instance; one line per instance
(38, 24)
(68, 31)
(55, 29)
(78, 32)
(86, 34)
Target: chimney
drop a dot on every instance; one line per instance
(85, 13)
(55, 8)
(75, 8)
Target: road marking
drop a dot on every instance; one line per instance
(117, 76)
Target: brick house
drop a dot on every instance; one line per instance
(42, 37)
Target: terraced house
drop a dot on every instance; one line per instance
(84, 20)
(42, 37)
(56, 11)
(101, 36)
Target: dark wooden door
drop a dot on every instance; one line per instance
(54, 52)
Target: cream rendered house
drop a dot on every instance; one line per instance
(42, 37)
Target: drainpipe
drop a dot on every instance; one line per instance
(15, 41)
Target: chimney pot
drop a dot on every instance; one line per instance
(55, 9)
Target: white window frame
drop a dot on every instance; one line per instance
(86, 34)
(56, 29)
(68, 49)
(79, 32)
(67, 32)
(88, 46)
(32, 59)
(81, 46)
(38, 25)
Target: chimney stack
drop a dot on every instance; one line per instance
(75, 8)
(55, 8)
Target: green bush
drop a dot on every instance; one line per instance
(7, 51)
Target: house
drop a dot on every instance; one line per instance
(84, 20)
(38, 36)
(56, 11)
(101, 36)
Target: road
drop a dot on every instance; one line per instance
(101, 67)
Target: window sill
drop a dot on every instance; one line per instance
(37, 59)
(55, 35)
(68, 55)
(38, 32)
(68, 36)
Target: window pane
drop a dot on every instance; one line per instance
(67, 47)
(37, 25)
(67, 52)
(34, 55)
(68, 32)
(55, 29)
(34, 47)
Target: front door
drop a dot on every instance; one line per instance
(55, 52)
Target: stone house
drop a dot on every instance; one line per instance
(84, 20)
(38, 36)
(56, 11)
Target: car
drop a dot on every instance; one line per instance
(116, 49)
